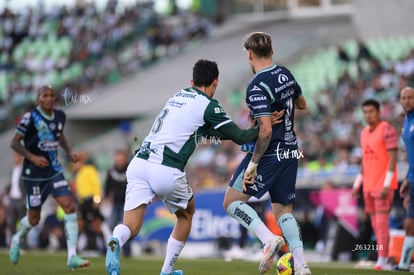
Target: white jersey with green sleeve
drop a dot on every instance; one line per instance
(176, 131)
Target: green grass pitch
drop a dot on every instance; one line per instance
(43, 263)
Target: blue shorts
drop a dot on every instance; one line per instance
(37, 191)
(278, 176)
(410, 210)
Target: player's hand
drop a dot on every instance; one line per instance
(404, 188)
(39, 161)
(74, 157)
(277, 117)
(249, 175)
(385, 192)
(355, 193)
(406, 202)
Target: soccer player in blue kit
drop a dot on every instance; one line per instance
(407, 187)
(41, 131)
(271, 163)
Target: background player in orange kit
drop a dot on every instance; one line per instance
(379, 144)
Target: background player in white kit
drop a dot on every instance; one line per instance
(157, 169)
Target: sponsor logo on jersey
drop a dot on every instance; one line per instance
(369, 153)
(258, 107)
(254, 98)
(48, 145)
(218, 110)
(60, 183)
(287, 94)
(175, 103)
(186, 94)
(284, 86)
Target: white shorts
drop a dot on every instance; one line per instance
(148, 179)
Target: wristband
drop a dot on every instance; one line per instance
(358, 181)
(388, 178)
(252, 166)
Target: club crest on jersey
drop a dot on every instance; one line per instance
(282, 78)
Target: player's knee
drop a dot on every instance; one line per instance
(186, 213)
(34, 220)
(226, 203)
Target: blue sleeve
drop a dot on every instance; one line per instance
(258, 102)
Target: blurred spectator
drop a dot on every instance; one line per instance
(363, 52)
(3, 224)
(323, 217)
(89, 193)
(16, 208)
(115, 186)
(342, 55)
(309, 232)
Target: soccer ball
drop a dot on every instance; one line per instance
(285, 265)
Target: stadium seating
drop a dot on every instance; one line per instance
(85, 48)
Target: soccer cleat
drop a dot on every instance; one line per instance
(304, 270)
(397, 268)
(113, 255)
(174, 272)
(14, 252)
(75, 262)
(378, 267)
(270, 252)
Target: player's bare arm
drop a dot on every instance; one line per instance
(404, 188)
(263, 139)
(392, 154)
(262, 142)
(359, 180)
(65, 145)
(17, 146)
(300, 103)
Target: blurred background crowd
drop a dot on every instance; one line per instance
(82, 48)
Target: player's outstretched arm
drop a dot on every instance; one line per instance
(233, 132)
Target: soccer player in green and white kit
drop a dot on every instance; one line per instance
(157, 169)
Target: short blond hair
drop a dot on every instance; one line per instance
(260, 43)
